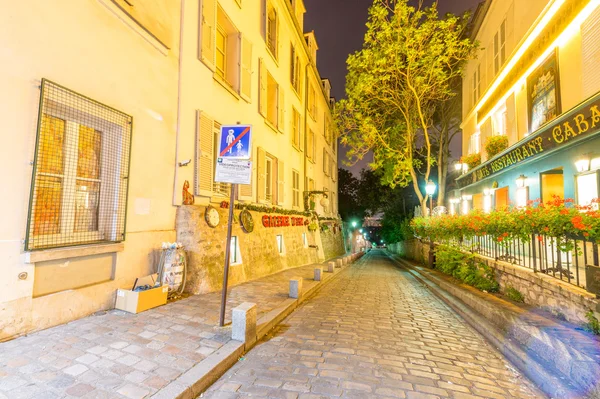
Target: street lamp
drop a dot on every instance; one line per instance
(360, 230)
(430, 190)
(354, 224)
(582, 164)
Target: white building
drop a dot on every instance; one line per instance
(101, 107)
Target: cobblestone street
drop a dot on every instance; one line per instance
(375, 332)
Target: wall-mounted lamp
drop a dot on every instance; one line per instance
(467, 197)
(582, 164)
(521, 181)
(458, 166)
(487, 192)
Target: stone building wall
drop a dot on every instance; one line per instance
(538, 289)
(205, 247)
(333, 243)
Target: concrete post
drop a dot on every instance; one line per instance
(330, 267)
(296, 287)
(243, 323)
(339, 263)
(318, 273)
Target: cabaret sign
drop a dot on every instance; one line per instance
(565, 130)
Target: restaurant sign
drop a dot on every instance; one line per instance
(580, 122)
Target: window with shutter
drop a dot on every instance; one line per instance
(203, 175)
(295, 188)
(246, 69)
(296, 123)
(280, 182)
(208, 29)
(260, 175)
(262, 84)
(281, 109)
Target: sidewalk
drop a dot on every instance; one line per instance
(117, 355)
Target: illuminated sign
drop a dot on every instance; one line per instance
(572, 126)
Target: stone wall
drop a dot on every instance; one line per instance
(333, 243)
(205, 247)
(538, 289)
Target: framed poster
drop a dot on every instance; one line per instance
(543, 93)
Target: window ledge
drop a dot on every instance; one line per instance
(226, 86)
(271, 125)
(71, 252)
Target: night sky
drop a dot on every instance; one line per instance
(339, 26)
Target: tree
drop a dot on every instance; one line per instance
(349, 206)
(372, 196)
(394, 87)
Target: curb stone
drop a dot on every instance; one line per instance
(196, 380)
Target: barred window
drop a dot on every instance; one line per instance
(80, 174)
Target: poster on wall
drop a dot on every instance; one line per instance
(543, 93)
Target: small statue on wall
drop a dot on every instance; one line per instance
(188, 199)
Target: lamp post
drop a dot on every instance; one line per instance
(430, 190)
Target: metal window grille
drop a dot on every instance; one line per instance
(80, 173)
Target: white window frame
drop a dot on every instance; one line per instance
(500, 47)
(272, 27)
(235, 255)
(112, 140)
(280, 242)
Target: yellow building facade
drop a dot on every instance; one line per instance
(111, 105)
(535, 70)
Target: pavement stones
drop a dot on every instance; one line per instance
(374, 332)
(117, 355)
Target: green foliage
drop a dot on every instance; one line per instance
(405, 70)
(514, 295)
(466, 268)
(593, 325)
(472, 160)
(496, 144)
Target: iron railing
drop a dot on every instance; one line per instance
(567, 258)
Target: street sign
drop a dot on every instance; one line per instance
(235, 142)
(234, 171)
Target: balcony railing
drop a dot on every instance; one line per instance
(569, 259)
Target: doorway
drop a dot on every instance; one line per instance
(501, 195)
(552, 184)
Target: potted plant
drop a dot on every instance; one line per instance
(472, 160)
(495, 145)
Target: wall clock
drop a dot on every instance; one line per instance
(212, 216)
(247, 221)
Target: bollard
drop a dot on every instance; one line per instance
(345, 260)
(339, 263)
(318, 273)
(296, 287)
(330, 267)
(243, 323)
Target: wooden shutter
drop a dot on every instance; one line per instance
(263, 25)
(203, 174)
(208, 26)
(280, 182)
(262, 94)
(590, 54)
(281, 109)
(245, 68)
(260, 174)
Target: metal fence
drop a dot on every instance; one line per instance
(569, 258)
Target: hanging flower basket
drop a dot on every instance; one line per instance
(495, 145)
(472, 160)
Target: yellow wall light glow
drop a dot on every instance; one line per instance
(560, 41)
